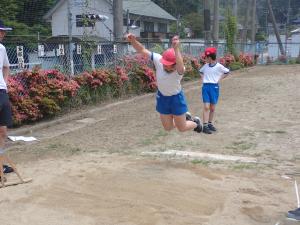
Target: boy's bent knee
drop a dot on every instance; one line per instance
(181, 129)
(168, 128)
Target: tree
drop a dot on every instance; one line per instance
(275, 28)
(9, 9)
(230, 32)
(216, 22)
(253, 21)
(246, 23)
(31, 12)
(194, 21)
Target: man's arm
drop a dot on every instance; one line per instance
(5, 68)
(6, 72)
(138, 46)
(179, 59)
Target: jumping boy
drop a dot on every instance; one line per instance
(170, 100)
(212, 73)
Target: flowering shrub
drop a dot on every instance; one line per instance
(282, 58)
(192, 66)
(227, 59)
(246, 59)
(141, 73)
(36, 94)
(202, 58)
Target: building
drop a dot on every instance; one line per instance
(147, 19)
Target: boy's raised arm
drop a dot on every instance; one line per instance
(137, 45)
(179, 59)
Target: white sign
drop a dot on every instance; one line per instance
(41, 50)
(60, 50)
(115, 48)
(21, 64)
(20, 51)
(99, 49)
(78, 49)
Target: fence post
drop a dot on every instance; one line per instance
(70, 39)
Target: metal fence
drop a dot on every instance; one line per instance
(92, 55)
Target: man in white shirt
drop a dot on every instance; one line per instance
(212, 73)
(5, 107)
(170, 99)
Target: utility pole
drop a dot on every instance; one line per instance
(275, 27)
(216, 23)
(207, 21)
(235, 9)
(70, 38)
(246, 24)
(253, 22)
(127, 21)
(286, 26)
(118, 19)
(178, 24)
(267, 23)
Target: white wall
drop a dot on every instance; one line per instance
(60, 19)
(293, 46)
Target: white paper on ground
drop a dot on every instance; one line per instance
(21, 138)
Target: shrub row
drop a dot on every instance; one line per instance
(37, 94)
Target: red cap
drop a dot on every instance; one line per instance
(168, 57)
(210, 50)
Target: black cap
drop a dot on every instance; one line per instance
(2, 27)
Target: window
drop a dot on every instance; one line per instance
(82, 21)
(132, 22)
(162, 27)
(148, 27)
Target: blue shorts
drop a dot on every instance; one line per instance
(5, 109)
(210, 93)
(174, 105)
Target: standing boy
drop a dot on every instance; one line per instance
(171, 103)
(212, 73)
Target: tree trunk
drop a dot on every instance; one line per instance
(216, 23)
(235, 9)
(253, 22)
(118, 19)
(207, 27)
(275, 28)
(246, 24)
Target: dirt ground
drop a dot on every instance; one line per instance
(95, 169)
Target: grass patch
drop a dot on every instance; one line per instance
(243, 166)
(202, 162)
(74, 150)
(147, 141)
(54, 146)
(156, 137)
(177, 145)
(274, 131)
(238, 146)
(205, 162)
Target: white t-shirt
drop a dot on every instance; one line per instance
(3, 63)
(213, 73)
(168, 83)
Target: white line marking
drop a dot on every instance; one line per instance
(200, 155)
(297, 194)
